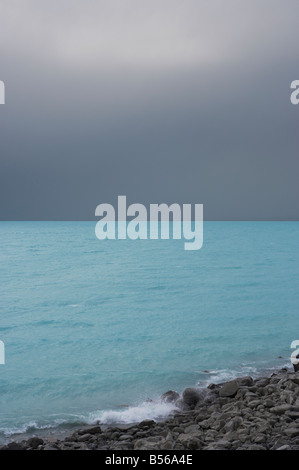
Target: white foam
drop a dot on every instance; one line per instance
(218, 376)
(27, 427)
(156, 410)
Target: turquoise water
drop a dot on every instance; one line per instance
(90, 325)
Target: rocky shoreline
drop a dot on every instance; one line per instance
(242, 414)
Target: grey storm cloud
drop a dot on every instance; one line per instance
(164, 101)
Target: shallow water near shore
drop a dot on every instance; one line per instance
(93, 329)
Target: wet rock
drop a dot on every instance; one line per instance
(94, 430)
(263, 382)
(34, 442)
(170, 396)
(182, 405)
(296, 366)
(229, 389)
(191, 396)
(147, 423)
(13, 446)
(246, 381)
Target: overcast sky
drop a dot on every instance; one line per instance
(159, 100)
